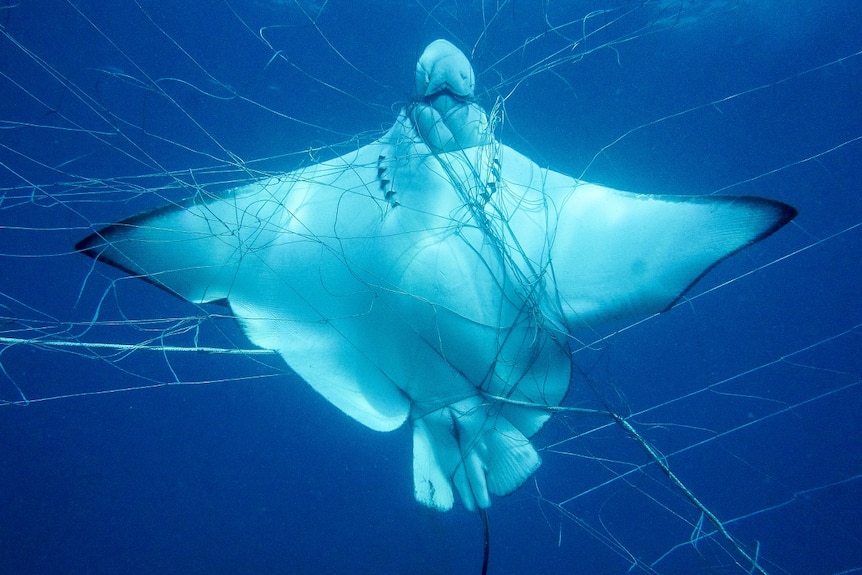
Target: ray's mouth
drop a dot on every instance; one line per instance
(446, 93)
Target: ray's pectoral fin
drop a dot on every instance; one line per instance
(621, 255)
(193, 250)
(231, 250)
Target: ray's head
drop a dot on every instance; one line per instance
(443, 67)
(444, 113)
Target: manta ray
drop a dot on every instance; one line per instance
(436, 276)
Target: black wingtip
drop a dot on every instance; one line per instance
(784, 213)
(94, 245)
(87, 246)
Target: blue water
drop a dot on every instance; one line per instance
(752, 390)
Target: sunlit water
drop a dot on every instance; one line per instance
(117, 457)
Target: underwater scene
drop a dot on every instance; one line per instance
(430, 287)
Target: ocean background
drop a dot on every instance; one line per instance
(150, 459)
